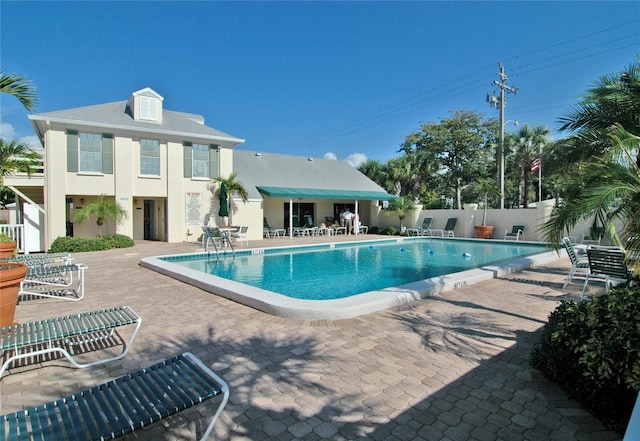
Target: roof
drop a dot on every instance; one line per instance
(277, 175)
(117, 116)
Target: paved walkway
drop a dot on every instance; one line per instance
(454, 367)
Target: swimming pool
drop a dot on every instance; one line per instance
(342, 280)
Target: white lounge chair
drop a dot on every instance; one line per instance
(608, 264)
(577, 263)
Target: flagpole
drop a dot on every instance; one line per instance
(540, 179)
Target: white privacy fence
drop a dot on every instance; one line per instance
(471, 215)
(15, 232)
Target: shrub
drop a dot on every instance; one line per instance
(121, 241)
(84, 244)
(592, 350)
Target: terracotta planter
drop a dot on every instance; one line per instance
(11, 274)
(484, 231)
(7, 249)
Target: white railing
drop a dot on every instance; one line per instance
(15, 232)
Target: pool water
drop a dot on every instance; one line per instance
(343, 270)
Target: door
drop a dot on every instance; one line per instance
(150, 220)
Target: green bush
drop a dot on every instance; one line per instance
(84, 244)
(592, 350)
(121, 241)
(390, 231)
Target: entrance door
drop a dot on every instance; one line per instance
(150, 220)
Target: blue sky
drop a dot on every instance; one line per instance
(347, 80)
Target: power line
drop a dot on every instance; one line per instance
(460, 86)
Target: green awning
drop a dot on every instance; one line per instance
(316, 193)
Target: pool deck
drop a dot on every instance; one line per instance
(451, 367)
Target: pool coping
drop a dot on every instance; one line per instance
(343, 308)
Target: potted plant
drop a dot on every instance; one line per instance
(486, 187)
(11, 274)
(8, 246)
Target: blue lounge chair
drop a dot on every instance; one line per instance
(123, 405)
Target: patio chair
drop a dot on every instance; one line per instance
(577, 263)
(241, 235)
(423, 230)
(121, 406)
(447, 231)
(608, 264)
(516, 232)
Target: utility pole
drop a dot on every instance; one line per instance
(500, 103)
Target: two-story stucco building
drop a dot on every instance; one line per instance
(158, 165)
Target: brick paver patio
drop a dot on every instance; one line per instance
(453, 367)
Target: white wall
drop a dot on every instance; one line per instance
(502, 220)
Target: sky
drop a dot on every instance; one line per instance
(341, 80)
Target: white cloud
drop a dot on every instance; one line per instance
(330, 155)
(356, 159)
(7, 131)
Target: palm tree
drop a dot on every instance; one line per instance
(400, 206)
(16, 157)
(103, 209)
(613, 100)
(20, 88)
(374, 170)
(602, 157)
(528, 144)
(233, 187)
(610, 193)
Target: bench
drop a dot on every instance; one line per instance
(120, 406)
(54, 336)
(54, 282)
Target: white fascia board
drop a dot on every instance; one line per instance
(136, 129)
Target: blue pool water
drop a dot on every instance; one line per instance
(342, 270)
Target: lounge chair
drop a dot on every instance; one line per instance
(423, 230)
(608, 264)
(269, 232)
(120, 406)
(577, 263)
(516, 232)
(32, 260)
(29, 341)
(54, 282)
(447, 231)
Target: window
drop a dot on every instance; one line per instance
(148, 108)
(149, 157)
(90, 152)
(200, 161)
